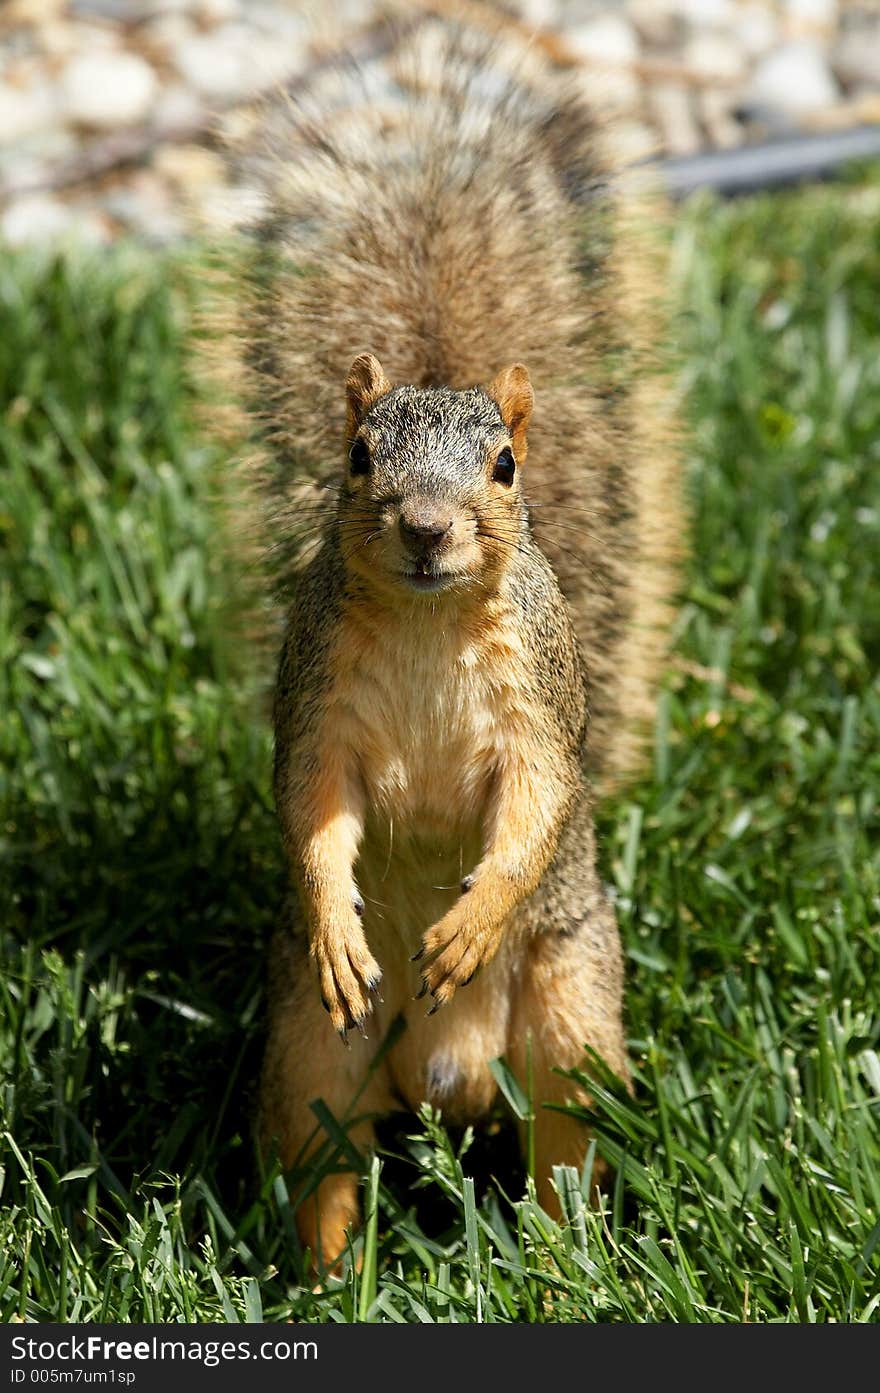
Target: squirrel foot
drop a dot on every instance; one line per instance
(455, 952)
(349, 976)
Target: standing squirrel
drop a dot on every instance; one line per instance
(478, 581)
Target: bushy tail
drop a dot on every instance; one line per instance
(449, 207)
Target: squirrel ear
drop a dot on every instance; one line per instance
(366, 383)
(513, 393)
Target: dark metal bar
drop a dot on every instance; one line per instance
(794, 159)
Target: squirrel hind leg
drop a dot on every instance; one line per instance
(326, 1218)
(566, 999)
(305, 1060)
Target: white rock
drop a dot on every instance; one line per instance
(105, 90)
(856, 57)
(281, 25)
(176, 106)
(65, 35)
(273, 62)
(607, 46)
(38, 11)
(141, 204)
(88, 224)
(607, 39)
(717, 119)
(234, 62)
(713, 55)
(188, 168)
(166, 31)
(657, 21)
(24, 112)
(757, 27)
(229, 209)
(87, 38)
(35, 219)
(794, 78)
(610, 90)
(812, 14)
(30, 162)
(542, 14)
(160, 7)
(672, 110)
(708, 13)
(634, 141)
(215, 11)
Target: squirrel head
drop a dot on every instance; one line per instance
(431, 500)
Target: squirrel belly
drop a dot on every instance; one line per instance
(478, 524)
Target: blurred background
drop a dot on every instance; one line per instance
(111, 111)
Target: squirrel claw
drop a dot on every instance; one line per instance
(418, 955)
(435, 1008)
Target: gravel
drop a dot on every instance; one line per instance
(108, 108)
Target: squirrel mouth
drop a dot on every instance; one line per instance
(424, 577)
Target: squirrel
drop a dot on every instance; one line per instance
(466, 460)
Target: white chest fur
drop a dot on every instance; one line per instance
(427, 717)
(427, 712)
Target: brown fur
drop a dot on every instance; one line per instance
(433, 758)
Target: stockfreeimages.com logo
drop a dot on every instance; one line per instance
(91, 1348)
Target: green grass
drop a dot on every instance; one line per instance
(140, 868)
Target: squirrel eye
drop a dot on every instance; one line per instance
(360, 458)
(505, 468)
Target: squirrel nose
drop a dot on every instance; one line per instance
(423, 534)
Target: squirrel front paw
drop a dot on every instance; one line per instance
(451, 954)
(349, 976)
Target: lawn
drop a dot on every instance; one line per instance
(140, 867)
